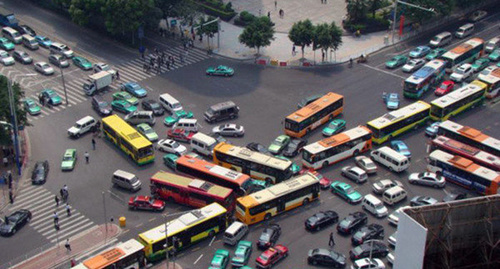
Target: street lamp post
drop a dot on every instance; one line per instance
(105, 218)
(64, 85)
(395, 14)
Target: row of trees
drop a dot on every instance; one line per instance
(5, 115)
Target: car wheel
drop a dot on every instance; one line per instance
(318, 228)
(235, 135)
(134, 208)
(412, 182)
(305, 202)
(211, 233)
(314, 263)
(226, 75)
(356, 152)
(382, 234)
(267, 216)
(325, 164)
(436, 186)
(14, 231)
(364, 207)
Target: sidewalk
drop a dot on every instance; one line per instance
(82, 243)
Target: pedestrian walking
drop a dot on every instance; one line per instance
(5, 161)
(87, 157)
(6, 220)
(142, 49)
(145, 67)
(11, 197)
(331, 243)
(67, 245)
(269, 14)
(260, 12)
(61, 192)
(294, 50)
(93, 143)
(9, 179)
(57, 200)
(68, 210)
(275, 5)
(56, 226)
(56, 218)
(117, 75)
(156, 50)
(168, 65)
(282, 13)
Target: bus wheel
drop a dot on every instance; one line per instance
(356, 152)
(171, 199)
(325, 164)
(269, 181)
(390, 168)
(267, 216)
(211, 233)
(305, 202)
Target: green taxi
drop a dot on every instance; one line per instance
(6, 44)
(242, 254)
(82, 63)
(295, 167)
(50, 97)
(180, 114)
(68, 160)
(346, 192)
(396, 61)
(220, 70)
(480, 64)
(220, 259)
(126, 97)
(123, 106)
(279, 144)
(495, 55)
(147, 131)
(334, 127)
(170, 160)
(31, 107)
(435, 53)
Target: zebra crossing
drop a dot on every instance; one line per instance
(42, 205)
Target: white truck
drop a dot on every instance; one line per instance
(98, 67)
(97, 81)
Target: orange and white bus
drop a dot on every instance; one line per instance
(127, 255)
(190, 191)
(464, 172)
(493, 81)
(255, 164)
(336, 148)
(238, 182)
(466, 52)
(289, 194)
(314, 114)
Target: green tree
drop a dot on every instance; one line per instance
(301, 34)
(210, 29)
(185, 9)
(125, 16)
(336, 34)
(321, 37)
(374, 5)
(5, 138)
(83, 11)
(259, 33)
(441, 8)
(356, 10)
(467, 3)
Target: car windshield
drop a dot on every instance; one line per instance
(175, 145)
(103, 104)
(67, 158)
(264, 257)
(357, 250)
(148, 130)
(443, 86)
(155, 105)
(334, 125)
(349, 190)
(31, 104)
(45, 66)
(51, 94)
(135, 87)
(176, 105)
(265, 236)
(126, 105)
(126, 95)
(345, 223)
(39, 170)
(393, 98)
(460, 71)
(486, 72)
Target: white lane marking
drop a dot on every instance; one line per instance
(198, 259)
(383, 71)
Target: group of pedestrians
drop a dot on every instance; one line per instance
(158, 59)
(64, 197)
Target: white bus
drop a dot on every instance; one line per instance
(493, 82)
(431, 74)
(126, 255)
(467, 52)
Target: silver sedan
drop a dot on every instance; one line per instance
(427, 179)
(229, 129)
(58, 60)
(44, 68)
(366, 164)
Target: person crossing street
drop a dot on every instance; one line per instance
(331, 243)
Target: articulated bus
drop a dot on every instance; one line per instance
(431, 74)
(469, 136)
(466, 52)
(184, 231)
(277, 199)
(399, 121)
(254, 164)
(458, 148)
(128, 139)
(464, 172)
(314, 114)
(238, 182)
(190, 191)
(127, 255)
(336, 148)
(493, 82)
(457, 101)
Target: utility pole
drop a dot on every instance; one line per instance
(105, 218)
(14, 124)
(64, 85)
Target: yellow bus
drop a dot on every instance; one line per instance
(289, 194)
(255, 164)
(314, 114)
(188, 229)
(129, 254)
(399, 121)
(128, 139)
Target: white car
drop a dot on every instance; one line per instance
(462, 73)
(367, 263)
(382, 185)
(98, 67)
(44, 68)
(478, 15)
(428, 179)
(390, 258)
(229, 129)
(394, 217)
(392, 240)
(366, 164)
(413, 65)
(487, 70)
(355, 173)
(171, 146)
(6, 58)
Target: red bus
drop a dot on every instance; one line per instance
(216, 174)
(190, 191)
(458, 148)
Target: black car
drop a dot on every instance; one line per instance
(455, 196)
(25, 29)
(304, 102)
(22, 57)
(377, 248)
(101, 106)
(321, 220)
(294, 147)
(371, 231)
(330, 258)
(152, 105)
(352, 222)
(40, 172)
(269, 236)
(14, 222)
(257, 147)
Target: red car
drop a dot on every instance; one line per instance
(323, 181)
(145, 203)
(180, 134)
(271, 256)
(446, 87)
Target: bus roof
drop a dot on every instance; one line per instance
(212, 168)
(459, 94)
(253, 156)
(492, 77)
(427, 70)
(471, 133)
(126, 131)
(192, 183)
(187, 220)
(397, 115)
(314, 107)
(337, 139)
(113, 254)
(462, 48)
(278, 190)
(468, 150)
(466, 165)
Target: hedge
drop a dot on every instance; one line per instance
(224, 15)
(244, 18)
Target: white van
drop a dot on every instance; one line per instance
(30, 42)
(492, 44)
(373, 205)
(126, 180)
(170, 103)
(61, 49)
(82, 126)
(12, 35)
(138, 117)
(190, 125)
(465, 30)
(203, 144)
(441, 40)
(234, 233)
(394, 160)
(394, 195)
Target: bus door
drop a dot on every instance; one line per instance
(280, 206)
(184, 195)
(315, 191)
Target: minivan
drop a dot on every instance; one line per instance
(392, 159)
(138, 117)
(82, 126)
(234, 233)
(170, 103)
(222, 111)
(126, 180)
(12, 35)
(203, 143)
(61, 49)
(441, 40)
(465, 30)
(394, 195)
(373, 205)
(29, 42)
(492, 44)
(190, 125)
